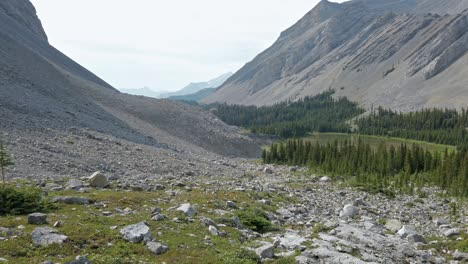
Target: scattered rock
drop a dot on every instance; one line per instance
(349, 211)
(266, 252)
(187, 209)
(415, 238)
(325, 179)
(98, 180)
(460, 256)
(268, 170)
(451, 232)
(80, 260)
(44, 236)
(74, 184)
(157, 248)
(136, 233)
(393, 225)
(406, 231)
(159, 217)
(231, 204)
(213, 230)
(37, 219)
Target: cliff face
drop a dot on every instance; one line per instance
(377, 52)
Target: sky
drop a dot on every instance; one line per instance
(165, 44)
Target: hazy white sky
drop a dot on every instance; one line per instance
(165, 44)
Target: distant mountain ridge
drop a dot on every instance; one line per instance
(145, 91)
(403, 54)
(196, 87)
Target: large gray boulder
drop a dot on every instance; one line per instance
(37, 219)
(157, 248)
(136, 233)
(407, 230)
(98, 180)
(187, 209)
(349, 210)
(44, 236)
(266, 252)
(74, 184)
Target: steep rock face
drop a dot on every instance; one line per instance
(375, 52)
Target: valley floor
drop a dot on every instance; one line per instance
(314, 220)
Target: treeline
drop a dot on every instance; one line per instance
(432, 125)
(321, 113)
(401, 168)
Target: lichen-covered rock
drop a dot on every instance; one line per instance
(136, 233)
(45, 236)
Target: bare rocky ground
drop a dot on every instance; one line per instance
(317, 220)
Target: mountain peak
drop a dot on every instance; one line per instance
(21, 15)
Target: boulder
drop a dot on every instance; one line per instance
(416, 238)
(231, 204)
(213, 230)
(187, 209)
(80, 260)
(136, 233)
(406, 231)
(266, 252)
(159, 217)
(98, 180)
(37, 219)
(267, 170)
(72, 200)
(44, 236)
(393, 225)
(157, 248)
(451, 232)
(349, 211)
(74, 184)
(460, 256)
(325, 179)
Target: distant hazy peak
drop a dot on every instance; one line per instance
(23, 13)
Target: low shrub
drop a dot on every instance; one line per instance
(255, 219)
(17, 201)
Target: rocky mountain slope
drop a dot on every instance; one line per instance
(193, 88)
(54, 112)
(403, 54)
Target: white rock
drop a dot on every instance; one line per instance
(136, 233)
(187, 209)
(44, 236)
(406, 231)
(266, 252)
(349, 211)
(393, 225)
(157, 248)
(325, 179)
(98, 180)
(213, 230)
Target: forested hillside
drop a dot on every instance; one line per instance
(396, 168)
(321, 113)
(433, 125)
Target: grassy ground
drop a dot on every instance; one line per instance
(374, 141)
(90, 234)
